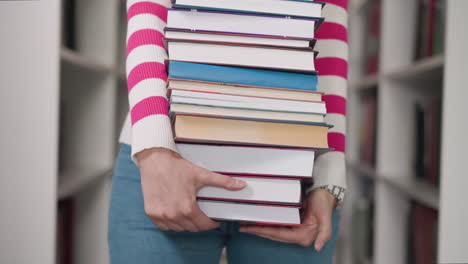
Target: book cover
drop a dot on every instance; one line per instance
(242, 76)
(311, 9)
(237, 38)
(318, 20)
(243, 55)
(206, 129)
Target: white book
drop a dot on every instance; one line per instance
(243, 56)
(282, 162)
(278, 93)
(271, 214)
(239, 38)
(236, 101)
(263, 190)
(241, 23)
(290, 8)
(246, 113)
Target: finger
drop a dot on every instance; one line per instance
(269, 237)
(219, 180)
(324, 231)
(187, 224)
(282, 233)
(174, 226)
(161, 225)
(201, 221)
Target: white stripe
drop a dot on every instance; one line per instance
(145, 21)
(335, 14)
(145, 53)
(166, 3)
(332, 48)
(145, 89)
(338, 121)
(329, 169)
(151, 132)
(333, 85)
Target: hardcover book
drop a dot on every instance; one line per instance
(191, 128)
(250, 160)
(258, 190)
(242, 76)
(309, 9)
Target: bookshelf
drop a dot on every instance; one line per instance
(400, 82)
(75, 101)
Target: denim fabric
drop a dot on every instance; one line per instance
(133, 238)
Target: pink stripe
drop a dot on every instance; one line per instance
(332, 66)
(341, 3)
(145, 37)
(154, 105)
(337, 141)
(145, 71)
(330, 30)
(335, 104)
(147, 8)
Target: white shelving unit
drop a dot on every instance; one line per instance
(69, 105)
(398, 84)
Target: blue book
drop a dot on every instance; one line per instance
(242, 76)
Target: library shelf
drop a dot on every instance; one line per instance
(83, 62)
(409, 186)
(425, 69)
(73, 181)
(365, 84)
(401, 83)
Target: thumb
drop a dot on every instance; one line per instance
(222, 181)
(324, 229)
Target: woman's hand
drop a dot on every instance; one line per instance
(170, 184)
(316, 224)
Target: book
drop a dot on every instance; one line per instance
(427, 143)
(64, 231)
(372, 38)
(368, 130)
(275, 25)
(309, 9)
(69, 25)
(422, 235)
(439, 27)
(242, 76)
(248, 102)
(250, 160)
(191, 128)
(239, 38)
(289, 59)
(256, 91)
(430, 28)
(258, 190)
(257, 213)
(177, 108)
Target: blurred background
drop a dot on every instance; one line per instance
(63, 103)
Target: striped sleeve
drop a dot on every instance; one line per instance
(147, 75)
(332, 65)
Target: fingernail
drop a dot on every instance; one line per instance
(237, 183)
(318, 245)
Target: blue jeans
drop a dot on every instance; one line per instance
(133, 238)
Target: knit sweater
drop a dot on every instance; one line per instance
(148, 124)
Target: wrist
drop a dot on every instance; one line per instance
(151, 154)
(329, 196)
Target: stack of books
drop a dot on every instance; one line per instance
(244, 101)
